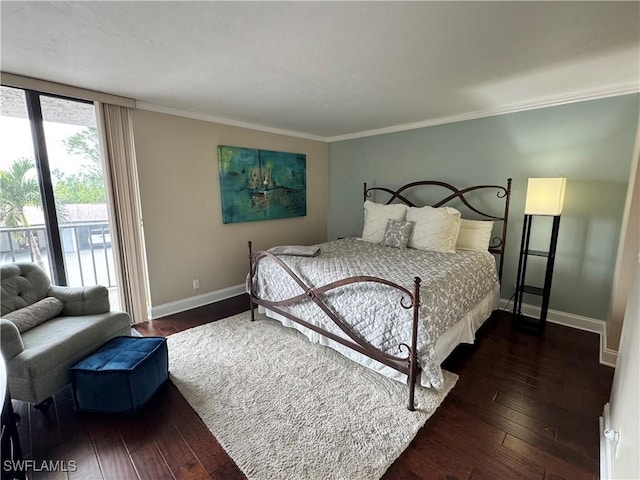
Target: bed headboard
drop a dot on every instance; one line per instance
(497, 243)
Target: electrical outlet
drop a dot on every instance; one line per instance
(196, 284)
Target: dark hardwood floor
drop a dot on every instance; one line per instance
(524, 407)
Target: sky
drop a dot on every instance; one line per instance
(15, 142)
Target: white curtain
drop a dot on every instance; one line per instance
(123, 201)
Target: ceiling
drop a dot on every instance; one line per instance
(330, 70)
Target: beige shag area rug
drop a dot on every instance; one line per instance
(284, 408)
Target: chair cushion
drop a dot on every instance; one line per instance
(23, 284)
(42, 368)
(122, 375)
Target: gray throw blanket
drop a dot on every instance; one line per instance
(296, 250)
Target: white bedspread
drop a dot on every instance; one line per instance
(452, 284)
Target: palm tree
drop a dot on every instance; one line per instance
(19, 188)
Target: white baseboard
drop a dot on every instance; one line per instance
(607, 356)
(606, 450)
(178, 306)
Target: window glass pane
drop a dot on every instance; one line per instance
(22, 225)
(78, 184)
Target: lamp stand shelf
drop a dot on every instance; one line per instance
(521, 285)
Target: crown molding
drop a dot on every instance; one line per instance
(152, 107)
(614, 91)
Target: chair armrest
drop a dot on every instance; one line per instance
(10, 339)
(81, 300)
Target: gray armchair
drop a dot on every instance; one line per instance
(39, 357)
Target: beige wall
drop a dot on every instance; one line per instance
(180, 195)
(627, 252)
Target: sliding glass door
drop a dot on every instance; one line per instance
(52, 194)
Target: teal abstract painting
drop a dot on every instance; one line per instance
(261, 184)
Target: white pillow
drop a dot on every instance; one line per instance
(435, 229)
(376, 217)
(474, 235)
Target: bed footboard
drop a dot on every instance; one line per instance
(409, 300)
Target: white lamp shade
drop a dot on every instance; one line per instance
(545, 196)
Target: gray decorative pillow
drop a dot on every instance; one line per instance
(397, 234)
(28, 317)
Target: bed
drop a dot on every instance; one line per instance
(399, 309)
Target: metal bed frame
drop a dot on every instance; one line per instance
(409, 298)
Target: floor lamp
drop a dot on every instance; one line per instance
(545, 197)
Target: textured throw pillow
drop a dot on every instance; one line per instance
(397, 234)
(435, 228)
(28, 317)
(474, 235)
(376, 217)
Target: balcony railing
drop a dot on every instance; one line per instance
(88, 256)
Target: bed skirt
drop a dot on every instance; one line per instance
(461, 332)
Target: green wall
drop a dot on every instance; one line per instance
(591, 143)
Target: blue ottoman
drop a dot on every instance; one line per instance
(121, 375)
